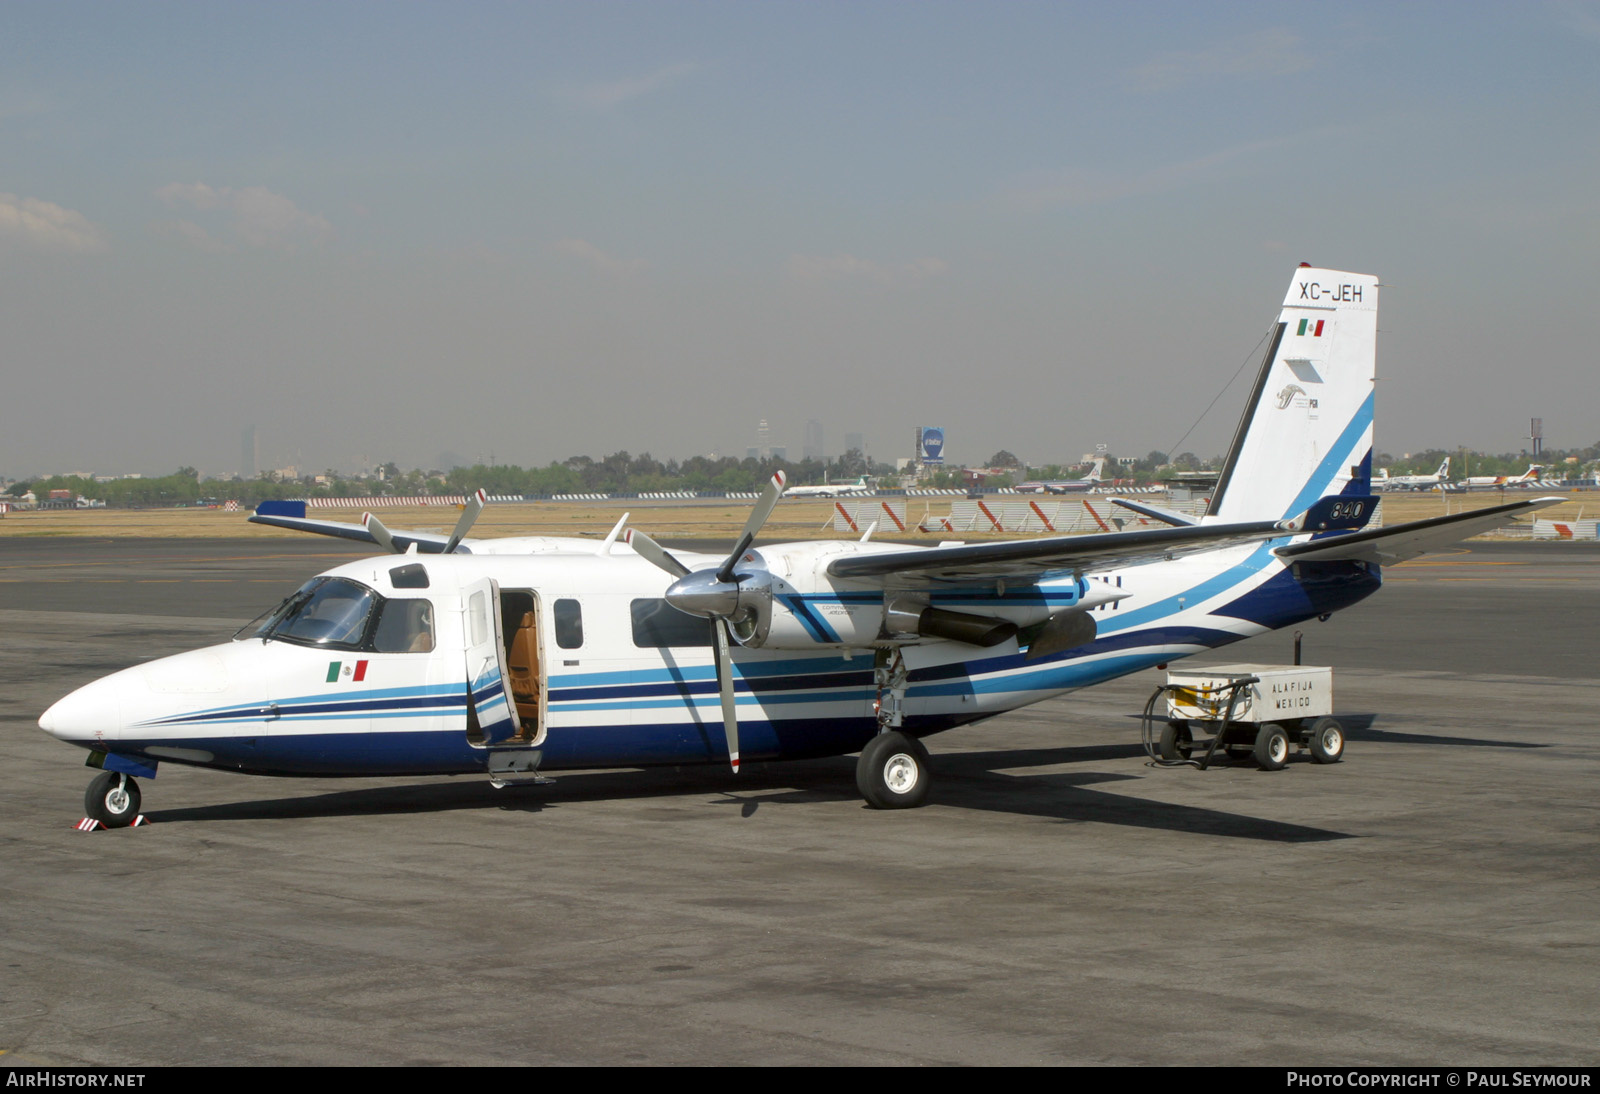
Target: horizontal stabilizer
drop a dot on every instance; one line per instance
(1400, 542)
(281, 509)
(1341, 511)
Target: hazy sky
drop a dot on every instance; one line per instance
(386, 230)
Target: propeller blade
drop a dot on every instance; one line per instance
(474, 506)
(758, 517)
(730, 720)
(648, 548)
(379, 533)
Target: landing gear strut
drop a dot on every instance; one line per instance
(112, 799)
(892, 772)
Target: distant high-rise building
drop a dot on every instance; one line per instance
(853, 440)
(764, 449)
(813, 446)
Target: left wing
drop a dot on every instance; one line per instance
(428, 543)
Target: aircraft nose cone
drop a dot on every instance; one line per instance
(90, 712)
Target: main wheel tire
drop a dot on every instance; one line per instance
(1177, 743)
(1327, 740)
(112, 799)
(892, 772)
(1272, 747)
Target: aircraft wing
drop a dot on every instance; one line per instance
(428, 543)
(1030, 559)
(1400, 542)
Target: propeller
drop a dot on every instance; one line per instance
(716, 595)
(385, 538)
(469, 513)
(730, 718)
(650, 549)
(380, 534)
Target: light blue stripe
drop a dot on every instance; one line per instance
(854, 695)
(1321, 480)
(344, 696)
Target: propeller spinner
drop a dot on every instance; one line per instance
(725, 596)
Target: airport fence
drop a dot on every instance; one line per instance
(1566, 529)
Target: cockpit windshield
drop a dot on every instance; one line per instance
(337, 613)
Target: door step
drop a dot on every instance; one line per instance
(516, 767)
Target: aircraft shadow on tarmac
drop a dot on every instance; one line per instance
(1360, 727)
(1363, 727)
(992, 781)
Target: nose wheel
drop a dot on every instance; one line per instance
(112, 799)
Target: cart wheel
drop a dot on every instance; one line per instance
(1177, 743)
(1272, 747)
(1327, 740)
(1240, 753)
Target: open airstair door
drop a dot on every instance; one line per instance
(491, 711)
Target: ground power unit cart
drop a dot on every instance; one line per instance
(1248, 712)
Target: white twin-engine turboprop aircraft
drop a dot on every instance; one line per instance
(516, 656)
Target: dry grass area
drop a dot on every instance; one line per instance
(795, 519)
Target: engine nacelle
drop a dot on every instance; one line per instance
(913, 617)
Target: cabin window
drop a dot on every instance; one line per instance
(569, 624)
(404, 626)
(657, 623)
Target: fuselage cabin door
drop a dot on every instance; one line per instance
(491, 711)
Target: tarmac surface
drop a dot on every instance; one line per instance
(1430, 900)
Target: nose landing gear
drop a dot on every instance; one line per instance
(112, 799)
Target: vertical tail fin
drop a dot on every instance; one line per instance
(1307, 430)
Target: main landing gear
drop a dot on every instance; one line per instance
(893, 771)
(112, 799)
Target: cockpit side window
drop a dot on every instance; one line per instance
(404, 626)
